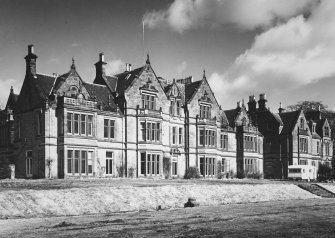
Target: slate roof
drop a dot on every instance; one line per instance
(190, 89)
(289, 120)
(101, 94)
(12, 99)
(124, 80)
(231, 115)
(44, 83)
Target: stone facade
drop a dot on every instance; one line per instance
(291, 138)
(136, 124)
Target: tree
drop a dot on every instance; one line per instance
(306, 105)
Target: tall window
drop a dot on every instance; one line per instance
(79, 162)
(224, 141)
(29, 163)
(250, 143)
(318, 147)
(148, 101)
(207, 137)
(303, 145)
(174, 165)
(205, 111)
(80, 124)
(76, 123)
(180, 136)
(174, 135)
(207, 166)
(150, 164)
(109, 129)
(178, 107)
(109, 162)
(150, 131)
(302, 123)
(327, 148)
(172, 107)
(89, 125)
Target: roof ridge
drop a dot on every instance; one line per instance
(95, 84)
(55, 76)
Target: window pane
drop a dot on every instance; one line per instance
(83, 162)
(143, 163)
(76, 161)
(112, 128)
(90, 125)
(157, 166)
(76, 123)
(83, 125)
(106, 128)
(142, 131)
(69, 123)
(69, 161)
(90, 162)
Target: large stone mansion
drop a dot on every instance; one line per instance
(136, 124)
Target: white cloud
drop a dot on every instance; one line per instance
(181, 68)
(285, 57)
(183, 15)
(115, 67)
(5, 85)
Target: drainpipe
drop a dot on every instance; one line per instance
(196, 141)
(125, 138)
(137, 174)
(298, 147)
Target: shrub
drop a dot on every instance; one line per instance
(255, 175)
(324, 172)
(166, 167)
(131, 172)
(4, 169)
(120, 171)
(192, 172)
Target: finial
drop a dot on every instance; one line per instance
(148, 59)
(204, 75)
(73, 66)
(243, 102)
(11, 90)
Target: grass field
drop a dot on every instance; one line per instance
(294, 218)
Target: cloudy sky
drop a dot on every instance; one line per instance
(283, 48)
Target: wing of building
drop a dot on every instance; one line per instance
(135, 124)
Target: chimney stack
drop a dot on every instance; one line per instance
(280, 109)
(30, 61)
(262, 102)
(128, 67)
(100, 69)
(238, 104)
(252, 104)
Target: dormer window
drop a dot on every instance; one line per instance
(149, 101)
(73, 91)
(205, 111)
(327, 131)
(302, 126)
(178, 107)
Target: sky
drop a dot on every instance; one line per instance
(283, 48)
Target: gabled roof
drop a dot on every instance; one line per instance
(44, 84)
(289, 120)
(101, 94)
(191, 89)
(12, 99)
(124, 80)
(231, 115)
